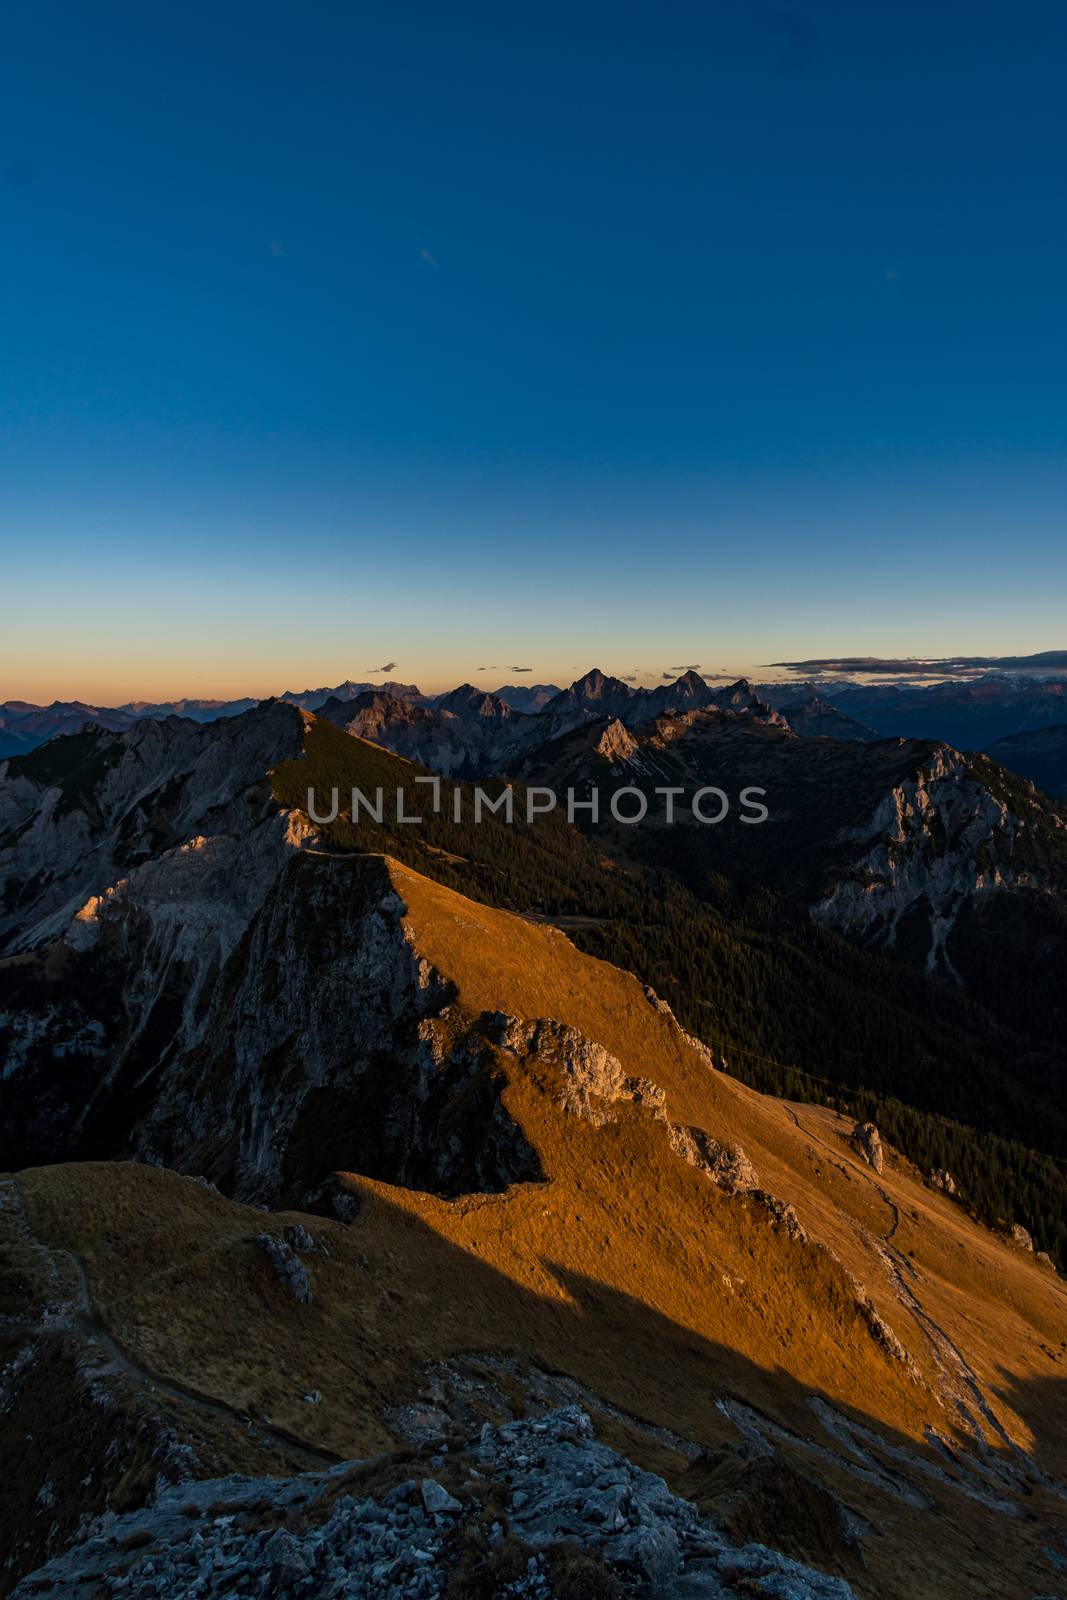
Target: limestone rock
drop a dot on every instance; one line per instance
(557, 1482)
(287, 1267)
(437, 1499)
(726, 1165)
(616, 743)
(866, 1141)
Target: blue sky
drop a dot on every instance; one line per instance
(553, 335)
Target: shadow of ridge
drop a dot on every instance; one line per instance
(924, 1503)
(420, 1299)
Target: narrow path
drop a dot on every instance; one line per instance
(958, 1381)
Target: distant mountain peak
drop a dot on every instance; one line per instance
(596, 685)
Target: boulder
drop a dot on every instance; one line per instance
(437, 1499)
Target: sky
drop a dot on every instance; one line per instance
(548, 336)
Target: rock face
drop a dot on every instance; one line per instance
(934, 842)
(592, 1080)
(940, 1179)
(231, 1005)
(82, 815)
(616, 743)
(866, 1141)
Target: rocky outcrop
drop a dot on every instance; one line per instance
(593, 1085)
(591, 1080)
(726, 1165)
(287, 1267)
(940, 1179)
(536, 1500)
(866, 1141)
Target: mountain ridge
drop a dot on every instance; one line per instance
(763, 1223)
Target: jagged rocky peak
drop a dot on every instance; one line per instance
(616, 743)
(465, 734)
(691, 686)
(594, 691)
(596, 685)
(687, 693)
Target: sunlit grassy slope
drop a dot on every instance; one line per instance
(792, 1007)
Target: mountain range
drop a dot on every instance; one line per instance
(971, 714)
(541, 1208)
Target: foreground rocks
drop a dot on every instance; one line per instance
(530, 1508)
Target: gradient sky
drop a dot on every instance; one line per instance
(545, 335)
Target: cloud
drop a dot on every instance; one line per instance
(629, 677)
(520, 669)
(694, 666)
(430, 260)
(386, 666)
(1043, 661)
